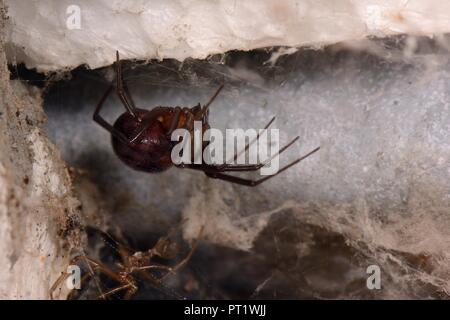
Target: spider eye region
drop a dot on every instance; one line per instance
(148, 148)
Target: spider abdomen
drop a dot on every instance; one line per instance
(150, 151)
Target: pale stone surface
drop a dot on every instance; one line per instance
(197, 28)
(39, 219)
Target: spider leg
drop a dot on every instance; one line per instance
(214, 172)
(58, 283)
(83, 279)
(154, 266)
(129, 286)
(122, 89)
(206, 106)
(251, 167)
(145, 123)
(113, 275)
(107, 271)
(127, 101)
(173, 124)
(157, 282)
(65, 275)
(254, 167)
(102, 122)
(175, 121)
(185, 260)
(118, 246)
(189, 122)
(248, 145)
(62, 278)
(130, 293)
(180, 264)
(125, 97)
(140, 130)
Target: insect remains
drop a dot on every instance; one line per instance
(129, 270)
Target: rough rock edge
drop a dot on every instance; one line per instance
(40, 216)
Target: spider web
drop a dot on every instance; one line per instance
(370, 197)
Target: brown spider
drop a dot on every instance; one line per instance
(142, 138)
(132, 264)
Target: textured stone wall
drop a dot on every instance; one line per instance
(39, 214)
